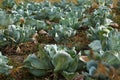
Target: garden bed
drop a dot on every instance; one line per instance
(59, 41)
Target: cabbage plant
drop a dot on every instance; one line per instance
(16, 34)
(56, 59)
(4, 68)
(5, 19)
(112, 56)
(106, 60)
(61, 32)
(8, 4)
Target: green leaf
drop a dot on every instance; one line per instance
(5, 19)
(92, 67)
(112, 58)
(16, 34)
(44, 58)
(92, 71)
(114, 41)
(73, 64)
(35, 62)
(95, 45)
(40, 25)
(38, 72)
(92, 63)
(63, 58)
(62, 32)
(70, 75)
(8, 3)
(72, 52)
(37, 67)
(3, 40)
(51, 50)
(4, 68)
(31, 22)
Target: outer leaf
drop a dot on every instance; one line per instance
(92, 71)
(31, 22)
(114, 41)
(95, 45)
(38, 72)
(112, 58)
(8, 3)
(62, 32)
(35, 62)
(44, 58)
(16, 34)
(40, 25)
(3, 40)
(73, 64)
(72, 52)
(4, 68)
(92, 63)
(36, 66)
(5, 19)
(92, 67)
(70, 76)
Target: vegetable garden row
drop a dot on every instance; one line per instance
(60, 40)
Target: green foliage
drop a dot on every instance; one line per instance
(104, 2)
(85, 3)
(16, 35)
(65, 16)
(114, 40)
(3, 40)
(100, 33)
(71, 20)
(98, 23)
(37, 24)
(97, 50)
(95, 45)
(8, 3)
(70, 75)
(104, 59)
(118, 8)
(58, 59)
(100, 16)
(32, 13)
(62, 32)
(18, 22)
(92, 67)
(5, 19)
(4, 68)
(36, 66)
(112, 56)
(55, 13)
(61, 54)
